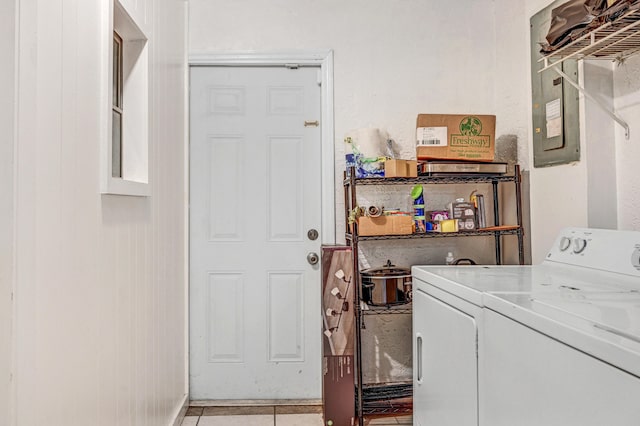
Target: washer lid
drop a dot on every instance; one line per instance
(618, 313)
(470, 281)
(605, 325)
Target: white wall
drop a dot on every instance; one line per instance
(512, 61)
(392, 61)
(598, 191)
(7, 110)
(627, 103)
(100, 280)
(558, 194)
(598, 133)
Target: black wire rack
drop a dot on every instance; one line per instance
(387, 398)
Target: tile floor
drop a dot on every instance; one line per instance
(286, 415)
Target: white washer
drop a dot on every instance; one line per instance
(567, 357)
(459, 377)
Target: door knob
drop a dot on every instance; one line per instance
(313, 258)
(312, 234)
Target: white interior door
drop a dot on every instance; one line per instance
(255, 188)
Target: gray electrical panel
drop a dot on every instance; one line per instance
(556, 122)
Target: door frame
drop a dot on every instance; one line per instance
(315, 58)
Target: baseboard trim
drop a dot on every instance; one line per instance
(182, 410)
(252, 402)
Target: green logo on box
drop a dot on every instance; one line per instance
(470, 126)
(470, 129)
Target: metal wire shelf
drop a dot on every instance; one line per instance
(385, 399)
(478, 233)
(452, 179)
(397, 398)
(616, 40)
(405, 308)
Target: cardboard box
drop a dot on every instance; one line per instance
(438, 215)
(400, 168)
(456, 137)
(447, 225)
(465, 214)
(385, 225)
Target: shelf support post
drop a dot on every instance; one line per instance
(518, 184)
(604, 107)
(496, 221)
(357, 297)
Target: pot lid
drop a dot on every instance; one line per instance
(389, 270)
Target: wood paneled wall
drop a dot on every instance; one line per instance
(100, 329)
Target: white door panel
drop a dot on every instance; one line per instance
(445, 382)
(255, 192)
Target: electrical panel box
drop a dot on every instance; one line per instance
(556, 122)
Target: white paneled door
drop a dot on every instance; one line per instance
(255, 193)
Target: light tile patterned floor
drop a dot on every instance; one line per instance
(190, 421)
(299, 419)
(248, 420)
(271, 416)
(388, 421)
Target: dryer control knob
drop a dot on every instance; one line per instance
(579, 244)
(565, 243)
(635, 258)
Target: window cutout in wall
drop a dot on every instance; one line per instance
(116, 117)
(126, 153)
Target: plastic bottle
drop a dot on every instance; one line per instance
(449, 259)
(418, 208)
(349, 155)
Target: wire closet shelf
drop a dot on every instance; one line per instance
(616, 40)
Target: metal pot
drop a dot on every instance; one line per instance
(464, 261)
(386, 286)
